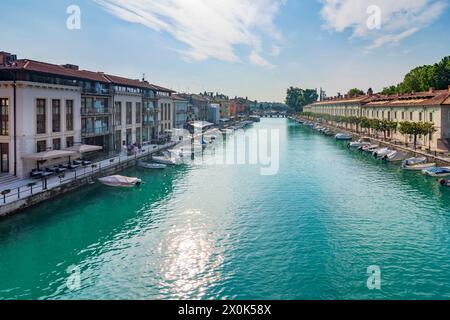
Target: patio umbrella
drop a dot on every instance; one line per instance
(84, 148)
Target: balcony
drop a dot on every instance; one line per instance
(96, 92)
(92, 132)
(87, 112)
(151, 123)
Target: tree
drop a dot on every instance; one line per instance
(422, 78)
(415, 129)
(297, 98)
(355, 92)
(429, 128)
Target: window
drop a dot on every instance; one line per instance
(118, 113)
(395, 115)
(69, 142)
(4, 118)
(138, 135)
(138, 112)
(41, 146)
(56, 144)
(40, 116)
(129, 113)
(403, 116)
(69, 115)
(411, 116)
(56, 115)
(382, 114)
(420, 116)
(431, 117)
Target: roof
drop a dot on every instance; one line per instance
(179, 98)
(359, 99)
(429, 98)
(59, 70)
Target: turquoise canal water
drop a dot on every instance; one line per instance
(227, 232)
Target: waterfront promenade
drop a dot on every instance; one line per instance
(440, 158)
(17, 193)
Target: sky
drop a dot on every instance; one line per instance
(249, 48)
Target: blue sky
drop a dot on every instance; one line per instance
(254, 48)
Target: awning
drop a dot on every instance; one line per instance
(84, 148)
(49, 155)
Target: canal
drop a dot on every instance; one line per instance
(227, 232)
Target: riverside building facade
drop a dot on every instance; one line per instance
(53, 107)
(432, 106)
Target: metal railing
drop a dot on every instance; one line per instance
(94, 171)
(95, 111)
(95, 131)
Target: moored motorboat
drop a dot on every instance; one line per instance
(344, 137)
(168, 158)
(369, 148)
(120, 181)
(445, 183)
(437, 172)
(380, 153)
(155, 166)
(395, 156)
(417, 164)
(360, 143)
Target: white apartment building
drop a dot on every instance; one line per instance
(47, 107)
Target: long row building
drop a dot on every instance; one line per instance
(432, 106)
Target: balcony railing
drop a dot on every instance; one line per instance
(95, 112)
(93, 91)
(91, 132)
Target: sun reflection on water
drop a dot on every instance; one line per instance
(191, 259)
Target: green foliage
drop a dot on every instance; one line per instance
(416, 129)
(422, 78)
(297, 98)
(355, 92)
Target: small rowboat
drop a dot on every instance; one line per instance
(120, 181)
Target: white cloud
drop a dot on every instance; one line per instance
(209, 28)
(399, 18)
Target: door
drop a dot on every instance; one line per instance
(4, 157)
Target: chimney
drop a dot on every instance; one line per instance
(431, 90)
(7, 58)
(71, 67)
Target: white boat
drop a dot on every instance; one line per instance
(343, 137)
(395, 156)
(147, 165)
(369, 148)
(360, 143)
(167, 158)
(380, 153)
(120, 181)
(417, 164)
(437, 172)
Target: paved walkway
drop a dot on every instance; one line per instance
(392, 143)
(20, 190)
